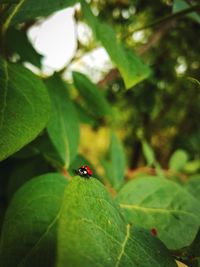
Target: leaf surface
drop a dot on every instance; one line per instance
(29, 229)
(193, 186)
(178, 160)
(92, 95)
(154, 202)
(93, 233)
(24, 107)
(24, 10)
(63, 126)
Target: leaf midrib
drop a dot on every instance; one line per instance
(149, 209)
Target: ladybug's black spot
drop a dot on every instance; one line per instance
(83, 172)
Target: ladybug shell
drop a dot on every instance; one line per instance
(89, 171)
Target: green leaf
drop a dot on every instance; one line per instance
(115, 167)
(18, 43)
(24, 10)
(131, 67)
(152, 202)
(178, 160)
(43, 145)
(63, 126)
(148, 153)
(92, 95)
(181, 5)
(92, 232)
(24, 107)
(84, 115)
(150, 157)
(193, 186)
(30, 225)
(23, 171)
(118, 159)
(194, 249)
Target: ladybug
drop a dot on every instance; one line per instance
(84, 171)
(154, 232)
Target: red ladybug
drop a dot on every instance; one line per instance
(84, 171)
(154, 231)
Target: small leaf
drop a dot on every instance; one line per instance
(179, 5)
(92, 95)
(117, 165)
(152, 202)
(24, 107)
(30, 225)
(148, 153)
(24, 10)
(63, 126)
(131, 67)
(178, 160)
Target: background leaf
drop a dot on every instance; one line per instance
(24, 107)
(92, 95)
(153, 202)
(131, 67)
(115, 166)
(148, 153)
(63, 126)
(178, 160)
(179, 5)
(29, 230)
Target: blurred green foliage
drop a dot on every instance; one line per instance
(140, 119)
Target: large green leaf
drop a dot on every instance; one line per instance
(24, 107)
(92, 232)
(78, 225)
(29, 229)
(193, 186)
(92, 95)
(131, 67)
(154, 202)
(63, 126)
(23, 10)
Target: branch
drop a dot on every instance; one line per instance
(170, 17)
